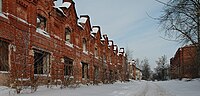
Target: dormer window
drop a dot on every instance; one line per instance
(67, 35)
(41, 22)
(84, 45)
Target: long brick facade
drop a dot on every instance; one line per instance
(183, 64)
(46, 43)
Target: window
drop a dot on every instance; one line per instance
(104, 59)
(4, 66)
(0, 5)
(67, 34)
(84, 70)
(84, 45)
(41, 22)
(41, 62)
(68, 67)
(96, 72)
(95, 52)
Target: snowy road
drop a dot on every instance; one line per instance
(151, 89)
(133, 88)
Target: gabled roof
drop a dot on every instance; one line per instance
(121, 50)
(66, 5)
(83, 20)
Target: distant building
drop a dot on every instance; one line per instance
(134, 71)
(183, 64)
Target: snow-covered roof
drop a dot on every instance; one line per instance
(92, 35)
(66, 5)
(59, 4)
(80, 25)
(115, 47)
(121, 50)
(95, 29)
(82, 20)
(109, 43)
(59, 10)
(102, 39)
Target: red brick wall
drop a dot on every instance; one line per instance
(183, 64)
(19, 29)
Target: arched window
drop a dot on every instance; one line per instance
(95, 52)
(84, 45)
(41, 22)
(67, 35)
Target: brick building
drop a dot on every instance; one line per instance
(46, 43)
(183, 63)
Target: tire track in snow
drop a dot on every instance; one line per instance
(151, 89)
(143, 91)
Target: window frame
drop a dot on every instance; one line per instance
(40, 19)
(95, 52)
(68, 67)
(85, 71)
(44, 65)
(7, 68)
(96, 72)
(67, 35)
(84, 45)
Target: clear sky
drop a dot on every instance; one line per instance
(127, 23)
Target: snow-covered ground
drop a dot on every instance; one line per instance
(132, 88)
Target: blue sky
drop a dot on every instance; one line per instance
(127, 23)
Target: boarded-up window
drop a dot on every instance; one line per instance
(68, 67)
(4, 66)
(67, 35)
(41, 62)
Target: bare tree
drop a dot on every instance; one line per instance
(181, 21)
(162, 68)
(129, 54)
(146, 70)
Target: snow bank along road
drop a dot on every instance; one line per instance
(133, 88)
